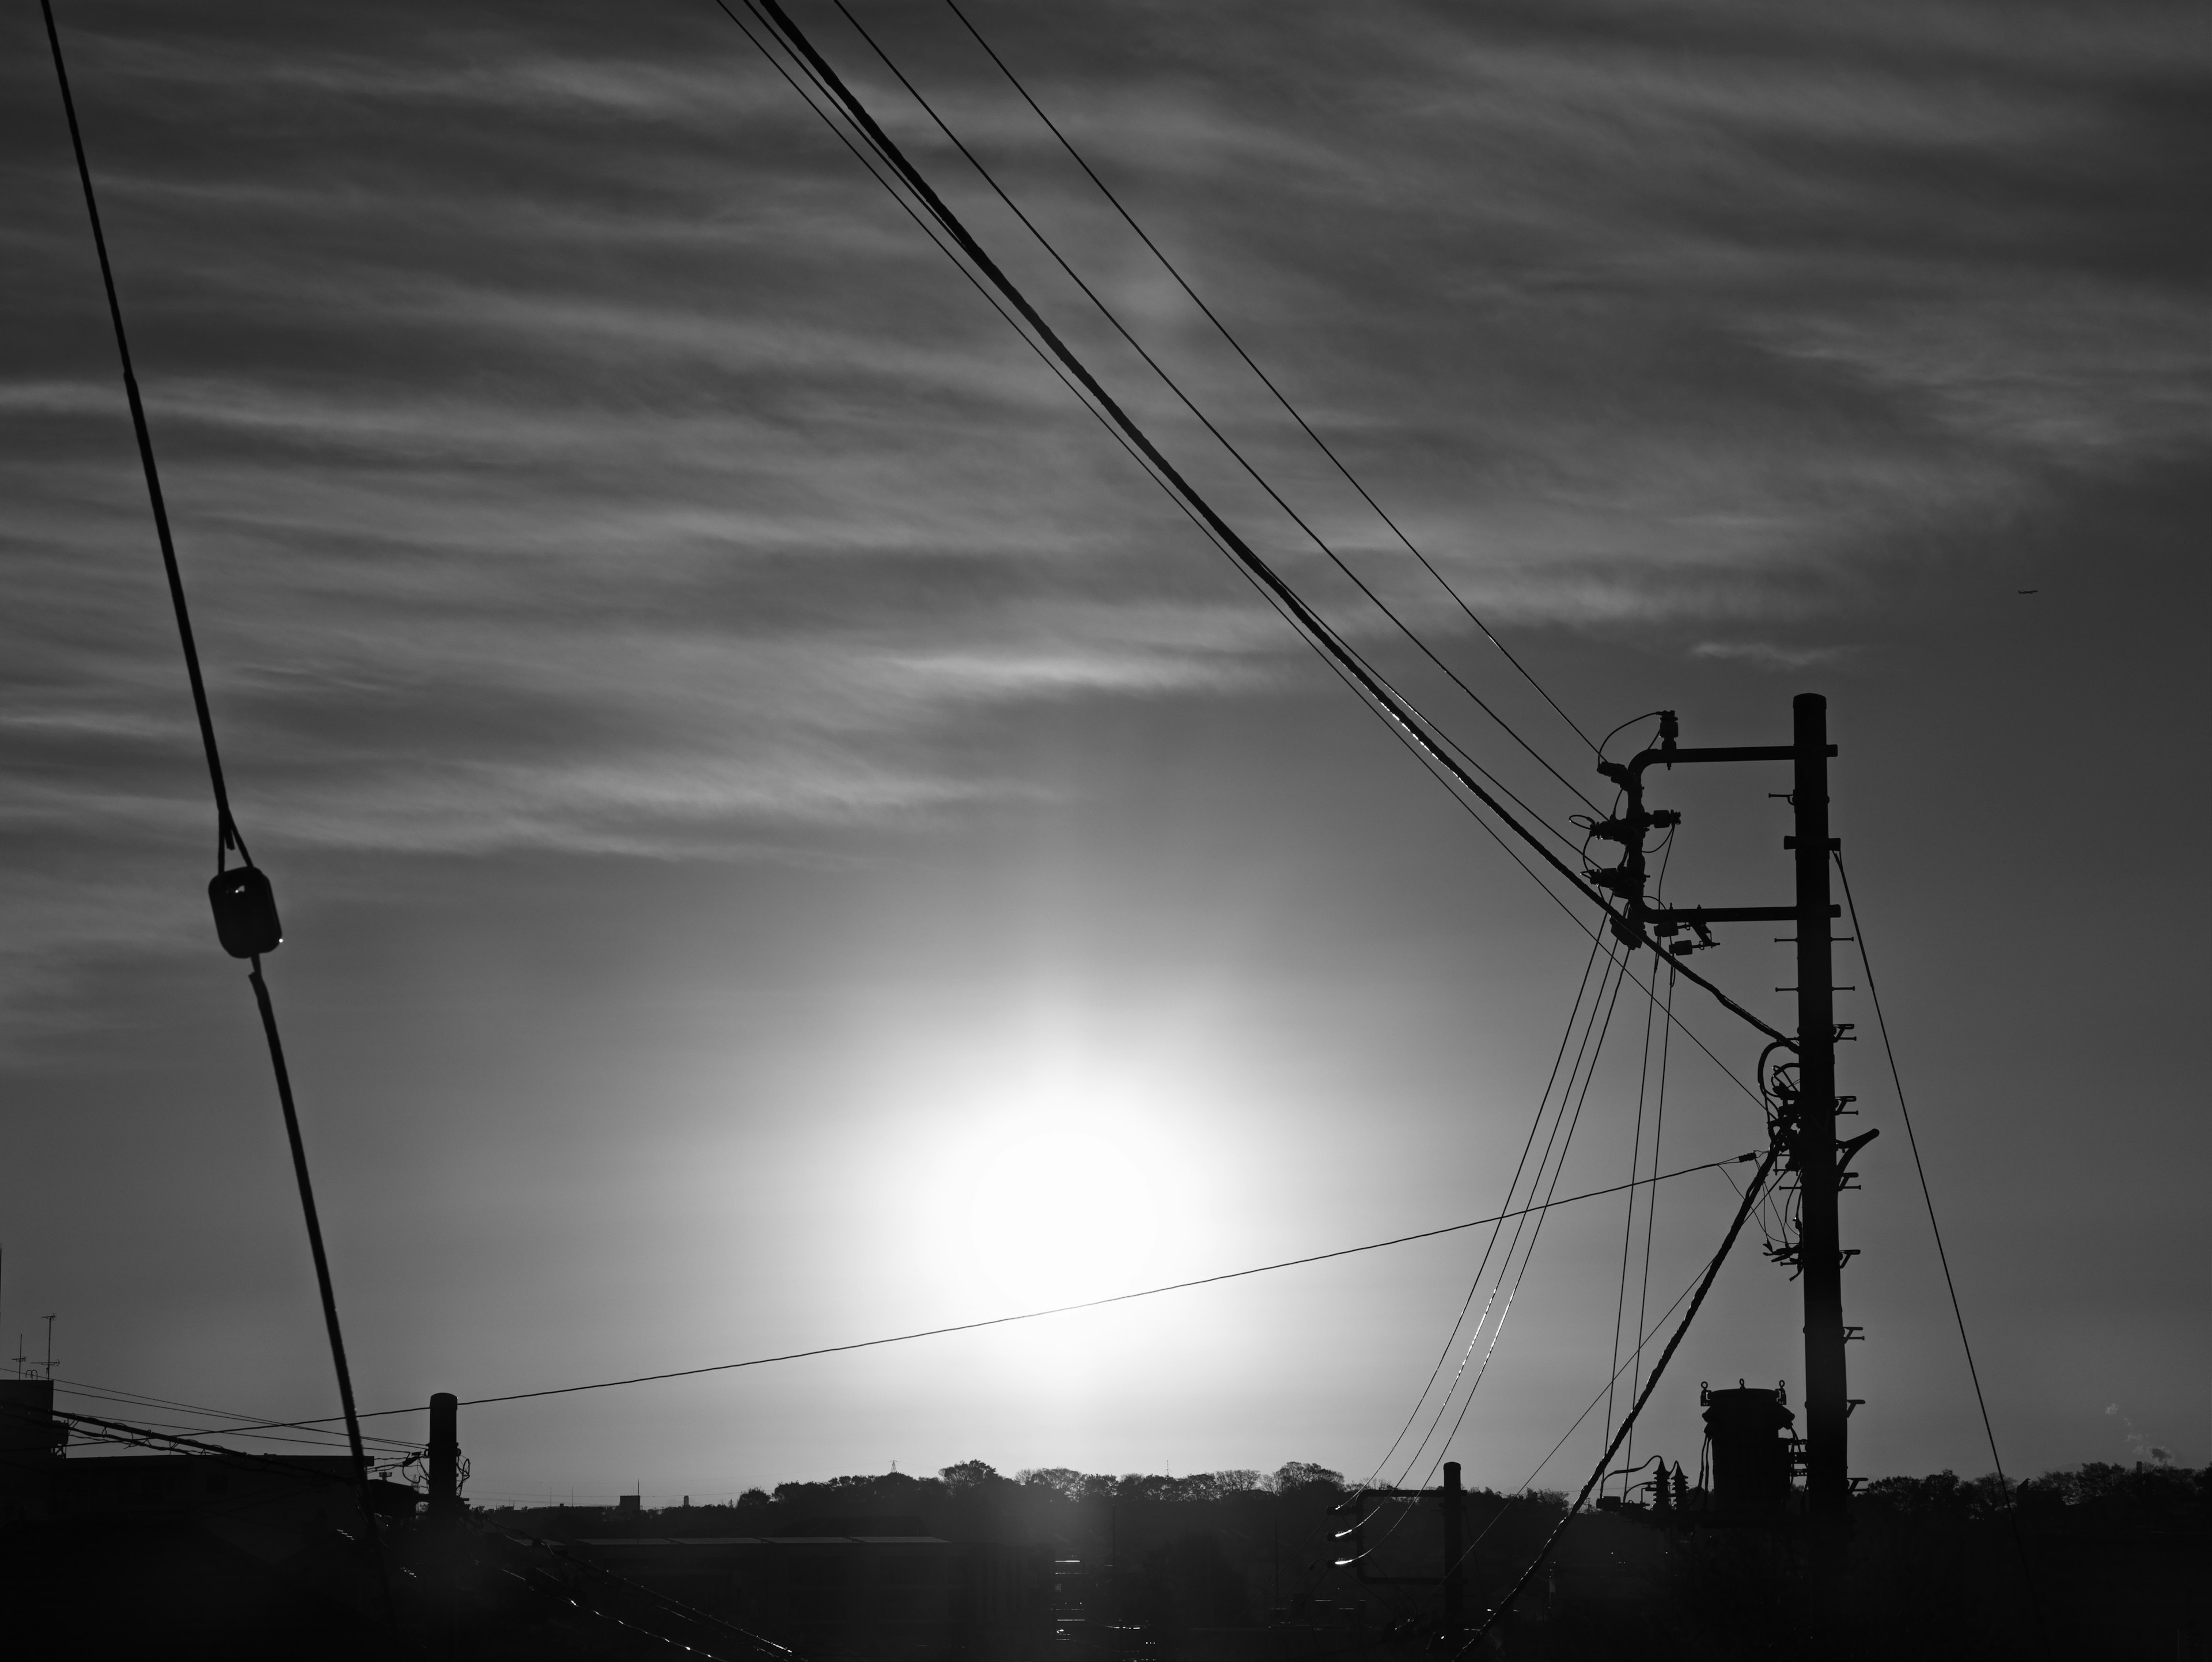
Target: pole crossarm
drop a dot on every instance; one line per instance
(1661, 918)
(1807, 1106)
(1671, 753)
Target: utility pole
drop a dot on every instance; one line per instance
(1820, 1249)
(1454, 1571)
(445, 1456)
(1805, 1108)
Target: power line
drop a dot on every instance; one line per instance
(1541, 1213)
(1659, 1368)
(245, 1422)
(1596, 937)
(1032, 1315)
(1635, 1358)
(227, 834)
(1650, 1208)
(1169, 381)
(1943, 1258)
(1204, 530)
(1281, 398)
(1387, 701)
(1513, 1184)
(1475, 1283)
(265, 935)
(1628, 1223)
(1173, 387)
(1616, 972)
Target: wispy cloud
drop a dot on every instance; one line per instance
(1766, 654)
(569, 447)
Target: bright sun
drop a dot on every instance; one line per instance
(1062, 1214)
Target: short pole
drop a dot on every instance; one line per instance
(444, 1455)
(1455, 1552)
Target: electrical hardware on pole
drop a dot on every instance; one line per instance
(1804, 1123)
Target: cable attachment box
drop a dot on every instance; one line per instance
(244, 912)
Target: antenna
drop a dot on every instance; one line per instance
(20, 1357)
(49, 1347)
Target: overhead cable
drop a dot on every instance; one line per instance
(1512, 1186)
(260, 933)
(1463, 754)
(1032, 1315)
(1119, 436)
(1173, 387)
(1266, 380)
(1628, 1223)
(1384, 698)
(1615, 972)
(1658, 1369)
(1651, 1209)
(1541, 1215)
(1928, 1199)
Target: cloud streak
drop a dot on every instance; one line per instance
(570, 448)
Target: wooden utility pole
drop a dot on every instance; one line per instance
(1455, 1570)
(1805, 1108)
(1813, 1150)
(445, 1462)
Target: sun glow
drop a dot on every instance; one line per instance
(1063, 1212)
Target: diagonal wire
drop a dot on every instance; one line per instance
(1474, 1284)
(1396, 728)
(1169, 381)
(1387, 701)
(1705, 1286)
(1547, 1204)
(1536, 1235)
(1266, 380)
(1628, 1223)
(227, 833)
(1927, 1198)
(1652, 1213)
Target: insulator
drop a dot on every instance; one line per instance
(244, 912)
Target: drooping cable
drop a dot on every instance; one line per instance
(117, 1395)
(1460, 751)
(1628, 1222)
(226, 832)
(1584, 1068)
(1658, 1369)
(1266, 380)
(227, 837)
(1576, 1018)
(1397, 731)
(1592, 1407)
(1335, 668)
(1584, 1056)
(1036, 1315)
(1188, 403)
(1385, 699)
(1535, 1234)
(1513, 1184)
(1651, 1212)
(1636, 1156)
(1943, 1258)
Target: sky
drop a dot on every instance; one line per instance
(786, 836)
